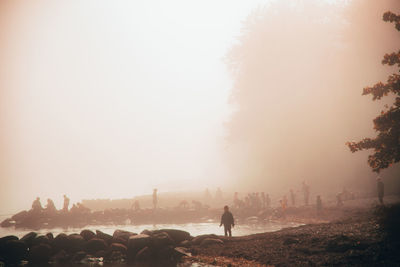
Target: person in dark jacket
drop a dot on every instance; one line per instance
(227, 221)
(381, 189)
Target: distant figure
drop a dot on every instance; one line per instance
(292, 197)
(267, 201)
(263, 200)
(381, 189)
(66, 203)
(36, 205)
(218, 194)
(227, 221)
(306, 192)
(339, 201)
(319, 205)
(136, 205)
(50, 207)
(155, 198)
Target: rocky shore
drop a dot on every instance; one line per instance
(360, 236)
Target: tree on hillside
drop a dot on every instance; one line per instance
(387, 143)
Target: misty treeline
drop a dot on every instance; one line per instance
(299, 68)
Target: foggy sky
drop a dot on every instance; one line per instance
(105, 99)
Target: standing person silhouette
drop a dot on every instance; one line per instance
(228, 221)
(66, 203)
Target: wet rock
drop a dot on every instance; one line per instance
(96, 244)
(144, 254)
(28, 238)
(61, 257)
(50, 236)
(4, 240)
(146, 232)
(177, 235)
(181, 251)
(137, 242)
(115, 256)
(161, 240)
(76, 242)
(119, 247)
(39, 254)
(87, 234)
(211, 241)
(61, 242)
(166, 253)
(185, 243)
(42, 239)
(122, 234)
(7, 223)
(104, 236)
(79, 256)
(14, 251)
(100, 253)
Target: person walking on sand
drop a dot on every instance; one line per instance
(381, 189)
(228, 221)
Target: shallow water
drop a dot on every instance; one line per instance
(193, 228)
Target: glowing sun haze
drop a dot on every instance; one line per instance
(108, 99)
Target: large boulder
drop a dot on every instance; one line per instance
(138, 242)
(144, 254)
(61, 242)
(4, 240)
(14, 251)
(28, 238)
(177, 235)
(39, 254)
(123, 234)
(161, 240)
(104, 236)
(42, 239)
(76, 242)
(50, 236)
(87, 234)
(20, 216)
(96, 244)
(61, 257)
(119, 247)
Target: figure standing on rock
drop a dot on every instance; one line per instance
(381, 189)
(36, 205)
(155, 198)
(228, 221)
(66, 203)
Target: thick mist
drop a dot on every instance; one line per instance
(299, 68)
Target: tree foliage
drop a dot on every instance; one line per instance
(387, 143)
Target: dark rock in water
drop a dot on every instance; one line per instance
(78, 256)
(123, 234)
(146, 232)
(14, 251)
(185, 243)
(166, 253)
(96, 244)
(28, 238)
(137, 242)
(7, 223)
(61, 242)
(119, 247)
(76, 242)
(177, 235)
(115, 256)
(50, 236)
(198, 239)
(144, 254)
(20, 216)
(161, 240)
(180, 251)
(211, 241)
(4, 240)
(61, 257)
(87, 234)
(100, 253)
(42, 239)
(103, 236)
(39, 254)
(120, 241)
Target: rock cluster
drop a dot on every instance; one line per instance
(166, 245)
